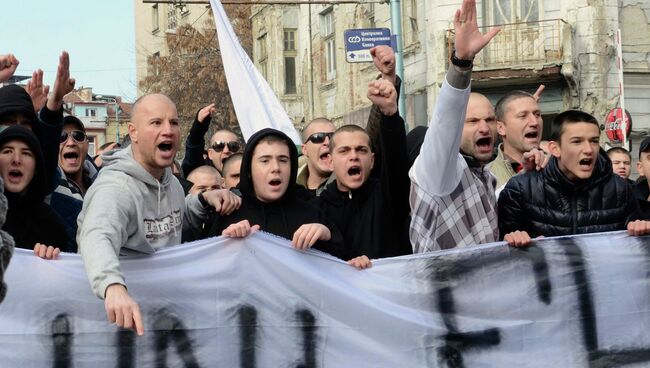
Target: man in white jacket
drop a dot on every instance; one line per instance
(137, 206)
(452, 192)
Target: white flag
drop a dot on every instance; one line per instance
(256, 104)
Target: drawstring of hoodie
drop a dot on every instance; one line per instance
(158, 211)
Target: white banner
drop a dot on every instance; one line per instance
(568, 302)
(255, 103)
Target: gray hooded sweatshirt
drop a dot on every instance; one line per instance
(129, 212)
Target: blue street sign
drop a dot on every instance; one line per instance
(358, 43)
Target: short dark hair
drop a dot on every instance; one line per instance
(570, 117)
(350, 128)
(228, 162)
(502, 104)
(619, 150)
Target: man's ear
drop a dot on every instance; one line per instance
(133, 133)
(501, 128)
(554, 148)
(639, 168)
(372, 160)
(302, 149)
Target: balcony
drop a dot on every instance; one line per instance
(525, 45)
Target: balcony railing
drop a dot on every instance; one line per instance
(520, 45)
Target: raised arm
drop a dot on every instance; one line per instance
(195, 143)
(438, 170)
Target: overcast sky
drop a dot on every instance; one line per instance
(98, 34)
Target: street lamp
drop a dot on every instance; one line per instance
(117, 114)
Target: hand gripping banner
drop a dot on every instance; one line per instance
(565, 302)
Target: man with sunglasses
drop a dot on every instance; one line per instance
(223, 143)
(315, 173)
(76, 174)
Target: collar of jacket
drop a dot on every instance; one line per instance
(471, 161)
(602, 172)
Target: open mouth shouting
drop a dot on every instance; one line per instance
(532, 136)
(167, 149)
(275, 184)
(484, 145)
(15, 176)
(355, 172)
(71, 158)
(586, 164)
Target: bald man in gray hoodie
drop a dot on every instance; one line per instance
(137, 206)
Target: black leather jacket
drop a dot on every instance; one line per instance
(548, 203)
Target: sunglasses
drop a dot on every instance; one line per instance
(233, 146)
(319, 138)
(77, 135)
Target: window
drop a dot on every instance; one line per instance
(91, 112)
(171, 17)
(289, 40)
(290, 61)
(91, 145)
(263, 56)
(513, 11)
(371, 16)
(327, 31)
(154, 18)
(154, 63)
(410, 26)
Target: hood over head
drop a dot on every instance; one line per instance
(15, 100)
(246, 180)
(37, 188)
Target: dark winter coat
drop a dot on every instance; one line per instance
(548, 203)
(282, 217)
(374, 218)
(29, 220)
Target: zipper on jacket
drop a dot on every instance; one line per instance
(574, 212)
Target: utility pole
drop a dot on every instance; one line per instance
(396, 28)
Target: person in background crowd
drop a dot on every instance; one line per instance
(317, 170)
(231, 169)
(137, 206)
(642, 185)
(109, 146)
(6, 242)
(576, 193)
(204, 178)
(621, 162)
(17, 107)
(31, 222)
(520, 125)
(223, 143)
(77, 173)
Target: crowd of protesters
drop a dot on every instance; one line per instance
(356, 193)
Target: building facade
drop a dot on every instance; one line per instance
(153, 22)
(567, 45)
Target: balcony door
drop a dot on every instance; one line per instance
(522, 39)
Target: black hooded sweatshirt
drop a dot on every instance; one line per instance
(374, 218)
(282, 217)
(29, 220)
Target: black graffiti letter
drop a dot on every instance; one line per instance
(309, 337)
(247, 335)
(125, 348)
(616, 356)
(168, 328)
(62, 341)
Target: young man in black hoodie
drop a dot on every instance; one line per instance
(371, 213)
(269, 201)
(576, 193)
